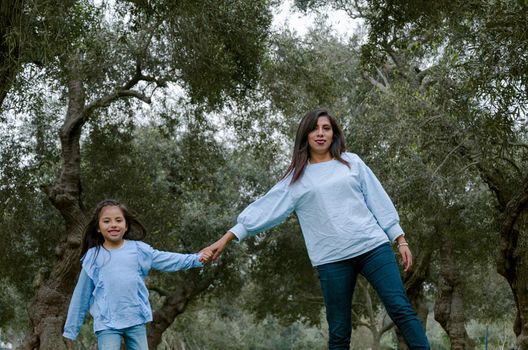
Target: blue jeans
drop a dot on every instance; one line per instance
(135, 338)
(379, 267)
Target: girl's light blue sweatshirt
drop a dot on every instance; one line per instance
(112, 285)
(343, 210)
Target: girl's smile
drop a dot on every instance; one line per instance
(113, 226)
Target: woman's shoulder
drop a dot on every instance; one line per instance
(351, 157)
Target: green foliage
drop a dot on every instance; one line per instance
(31, 31)
(285, 283)
(303, 73)
(188, 186)
(24, 255)
(216, 46)
(214, 50)
(23, 211)
(499, 334)
(223, 325)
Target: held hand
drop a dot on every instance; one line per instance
(406, 257)
(205, 255)
(218, 247)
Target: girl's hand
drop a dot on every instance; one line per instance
(205, 255)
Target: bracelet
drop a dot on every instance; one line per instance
(402, 244)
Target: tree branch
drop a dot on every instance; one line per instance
(383, 77)
(105, 101)
(513, 209)
(386, 325)
(489, 174)
(520, 144)
(376, 84)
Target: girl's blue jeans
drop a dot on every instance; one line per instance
(135, 338)
(379, 267)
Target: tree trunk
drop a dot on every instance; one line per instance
(449, 305)
(414, 286)
(49, 306)
(376, 328)
(513, 265)
(176, 301)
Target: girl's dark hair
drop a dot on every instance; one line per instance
(92, 238)
(301, 149)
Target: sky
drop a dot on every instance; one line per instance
(286, 16)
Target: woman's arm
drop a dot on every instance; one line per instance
(264, 213)
(379, 202)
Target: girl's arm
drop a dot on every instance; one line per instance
(169, 262)
(150, 258)
(79, 305)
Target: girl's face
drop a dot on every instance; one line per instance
(320, 138)
(112, 225)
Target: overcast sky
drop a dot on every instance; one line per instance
(285, 16)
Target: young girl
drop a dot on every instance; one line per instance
(347, 220)
(111, 284)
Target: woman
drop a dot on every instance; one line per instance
(348, 222)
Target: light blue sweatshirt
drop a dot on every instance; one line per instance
(112, 285)
(343, 211)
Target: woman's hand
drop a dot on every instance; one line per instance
(405, 252)
(406, 257)
(218, 247)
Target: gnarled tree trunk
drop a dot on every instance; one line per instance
(414, 285)
(513, 261)
(449, 305)
(376, 328)
(177, 300)
(49, 307)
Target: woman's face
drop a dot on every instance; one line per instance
(320, 138)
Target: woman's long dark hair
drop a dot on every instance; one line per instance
(92, 238)
(301, 149)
